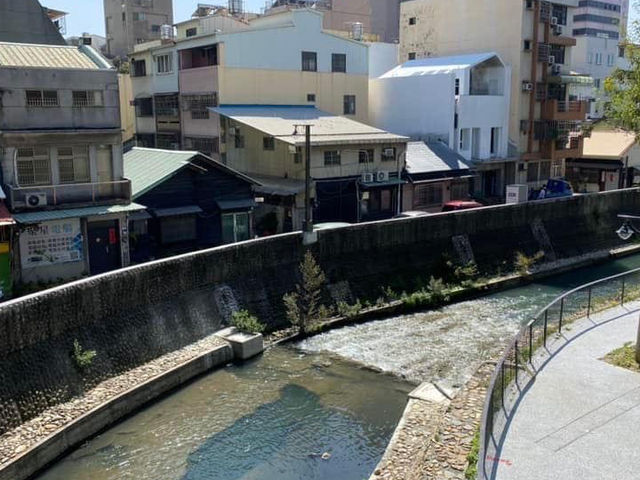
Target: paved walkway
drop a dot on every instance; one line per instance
(581, 417)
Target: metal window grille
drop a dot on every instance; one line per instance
(73, 164)
(331, 158)
(167, 105)
(33, 166)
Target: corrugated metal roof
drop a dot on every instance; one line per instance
(439, 65)
(237, 204)
(433, 157)
(177, 211)
(46, 215)
(328, 129)
(147, 167)
(277, 185)
(44, 56)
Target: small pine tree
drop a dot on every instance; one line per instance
(304, 307)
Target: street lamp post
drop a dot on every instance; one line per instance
(308, 234)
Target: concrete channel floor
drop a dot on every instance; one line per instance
(580, 419)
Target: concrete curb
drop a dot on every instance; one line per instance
(93, 422)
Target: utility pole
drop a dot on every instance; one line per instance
(309, 236)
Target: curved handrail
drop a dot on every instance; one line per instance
(509, 362)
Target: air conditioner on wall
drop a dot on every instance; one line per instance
(559, 30)
(388, 152)
(556, 69)
(554, 21)
(35, 200)
(527, 86)
(382, 176)
(552, 60)
(367, 178)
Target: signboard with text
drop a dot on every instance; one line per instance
(51, 243)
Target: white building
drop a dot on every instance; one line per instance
(462, 101)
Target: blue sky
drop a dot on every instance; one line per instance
(88, 16)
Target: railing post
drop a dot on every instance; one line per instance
(622, 294)
(516, 362)
(589, 305)
(546, 317)
(502, 384)
(561, 313)
(531, 344)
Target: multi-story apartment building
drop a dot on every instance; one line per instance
(280, 59)
(376, 20)
(599, 26)
(26, 21)
(61, 160)
(130, 22)
(533, 38)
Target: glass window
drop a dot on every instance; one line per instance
(366, 156)
(73, 164)
(164, 64)
(411, 56)
(331, 158)
(268, 143)
(87, 98)
(235, 227)
(42, 98)
(311, 97)
(178, 229)
(144, 107)
(139, 68)
(338, 62)
(192, 32)
(349, 104)
(309, 62)
(239, 140)
(33, 166)
(465, 139)
(412, 20)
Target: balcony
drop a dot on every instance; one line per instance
(561, 40)
(562, 110)
(571, 147)
(69, 195)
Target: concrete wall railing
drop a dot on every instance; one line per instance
(140, 313)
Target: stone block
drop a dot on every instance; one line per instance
(244, 345)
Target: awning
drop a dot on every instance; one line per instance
(139, 216)
(284, 187)
(47, 215)
(445, 179)
(5, 216)
(392, 182)
(614, 165)
(177, 211)
(575, 79)
(241, 204)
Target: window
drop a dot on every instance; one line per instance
(349, 104)
(560, 12)
(388, 154)
(42, 98)
(331, 158)
(206, 145)
(235, 227)
(532, 172)
(338, 62)
(268, 143)
(545, 170)
(465, 139)
(155, 28)
(589, 57)
(73, 164)
(144, 107)
(457, 86)
(366, 156)
(596, 83)
(139, 68)
(527, 45)
(412, 56)
(311, 97)
(178, 229)
(412, 20)
(164, 64)
(138, 16)
(167, 105)
(199, 105)
(87, 98)
(239, 140)
(428, 195)
(599, 58)
(495, 140)
(33, 166)
(192, 32)
(124, 17)
(610, 60)
(297, 157)
(309, 62)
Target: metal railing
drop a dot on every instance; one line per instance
(570, 106)
(69, 193)
(527, 353)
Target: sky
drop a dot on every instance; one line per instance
(88, 15)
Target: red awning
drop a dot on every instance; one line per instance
(5, 216)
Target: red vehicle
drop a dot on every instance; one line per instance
(460, 205)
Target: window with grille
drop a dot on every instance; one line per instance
(167, 105)
(331, 158)
(389, 154)
(192, 32)
(365, 156)
(268, 143)
(178, 229)
(87, 98)
(168, 142)
(239, 140)
(428, 195)
(139, 68)
(339, 62)
(202, 144)
(144, 107)
(33, 166)
(199, 105)
(42, 98)
(164, 64)
(309, 62)
(349, 104)
(73, 164)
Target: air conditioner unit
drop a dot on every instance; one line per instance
(367, 178)
(527, 86)
(551, 60)
(554, 21)
(556, 70)
(559, 30)
(35, 200)
(388, 152)
(382, 176)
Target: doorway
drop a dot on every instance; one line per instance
(104, 246)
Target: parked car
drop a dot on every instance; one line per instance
(555, 188)
(460, 205)
(412, 214)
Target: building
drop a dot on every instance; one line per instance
(611, 160)
(7, 224)
(599, 27)
(436, 175)
(356, 169)
(62, 161)
(130, 22)
(534, 39)
(374, 20)
(97, 42)
(192, 202)
(280, 59)
(462, 101)
(26, 21)
(127, 111)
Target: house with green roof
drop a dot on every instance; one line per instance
(192, 202)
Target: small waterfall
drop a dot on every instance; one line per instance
(226, 302)
(542, 237)
(462, 245)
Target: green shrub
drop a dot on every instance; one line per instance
(436, 288)
(472, 469)
(349, 311)
(81, 357)
(245, 322)
(523, 263)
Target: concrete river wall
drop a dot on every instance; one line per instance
(137, 314)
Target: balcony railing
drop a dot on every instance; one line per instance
(69, 194)
(573, 110)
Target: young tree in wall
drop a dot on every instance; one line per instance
(304, 307)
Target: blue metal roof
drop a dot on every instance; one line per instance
(47, 215)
